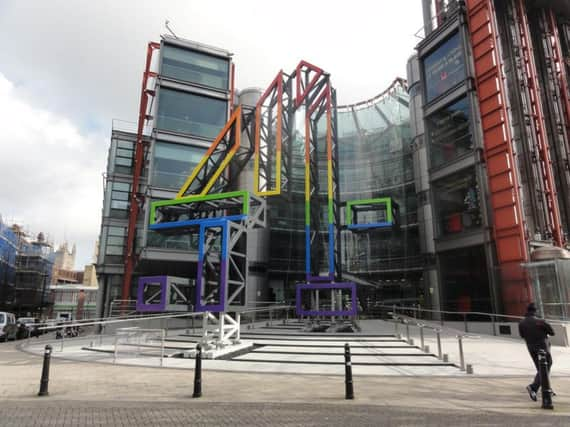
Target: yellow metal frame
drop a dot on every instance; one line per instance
(234, 119)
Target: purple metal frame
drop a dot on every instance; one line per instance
(141, 305)
(326, 286)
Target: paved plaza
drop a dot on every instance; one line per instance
(93, 392)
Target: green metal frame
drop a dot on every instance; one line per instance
(382, 200)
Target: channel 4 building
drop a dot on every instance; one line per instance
(449, 189)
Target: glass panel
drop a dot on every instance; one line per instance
(121, 186)
(173, 163)
(114, 250)
(123, 152)
(346, 125)
(120, 199)
(117, 231)
(194, 67)
(457, 203)
(444, 68)
(370, 120)
(450, 133)
(465, 280)
(122, 161)
(113, 240)
(125, 144)
(188, 113)
(185, 242)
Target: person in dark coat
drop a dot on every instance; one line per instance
(535, 332)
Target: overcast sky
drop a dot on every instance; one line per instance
(67, 68)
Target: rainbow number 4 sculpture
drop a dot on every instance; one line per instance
(223, 218)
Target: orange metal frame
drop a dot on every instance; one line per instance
(509, 230)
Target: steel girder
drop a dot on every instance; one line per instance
(274, 117)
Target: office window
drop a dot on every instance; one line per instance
(124, 155)
(173, 163)
(120, 192)
(115, 244)
(444, 67)
(457, 203)
(450, 132)
(194, 67)
(188, 113)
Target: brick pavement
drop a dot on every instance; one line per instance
(198, 413)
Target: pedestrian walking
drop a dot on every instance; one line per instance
(535, 332)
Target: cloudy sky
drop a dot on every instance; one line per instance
(67, 68)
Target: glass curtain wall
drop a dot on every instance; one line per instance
(375, 161)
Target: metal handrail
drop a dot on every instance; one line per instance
(464, 313)
(152, 317)
(421, 325)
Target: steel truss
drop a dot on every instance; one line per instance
(535, 121)
(556, 92)
(273, 137)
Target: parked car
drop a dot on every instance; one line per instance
(8, 326)
(30, 325)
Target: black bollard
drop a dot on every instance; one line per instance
(44, 382)
(198, 373)
(545, 380)
(349, 388)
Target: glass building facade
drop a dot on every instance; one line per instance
(375, 157)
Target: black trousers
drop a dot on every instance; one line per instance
(534, 355)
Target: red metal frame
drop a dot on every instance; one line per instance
(508, 225)
(130, 256)
(302, 92)
(537, 117)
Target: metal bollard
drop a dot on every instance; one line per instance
(407, 332)
(422, 337)
(349, 387)
(198, 373)
(461, 356)
(396, 329)
(438, 335)
(44, 382)
(545, 380)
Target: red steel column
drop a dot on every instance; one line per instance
(508, 225)
(138, 165)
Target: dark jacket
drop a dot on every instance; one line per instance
(535, 332)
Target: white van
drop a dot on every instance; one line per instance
(8, 328)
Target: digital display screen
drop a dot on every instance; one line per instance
(444, 67)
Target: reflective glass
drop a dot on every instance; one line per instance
(369, 119)
(450, 133)
(192, 114)
(457, 203)
(195, 67)
(173, 163)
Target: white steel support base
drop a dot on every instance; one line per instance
(221, 335)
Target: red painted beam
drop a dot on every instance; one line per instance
(130, 256)
(508, 226)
